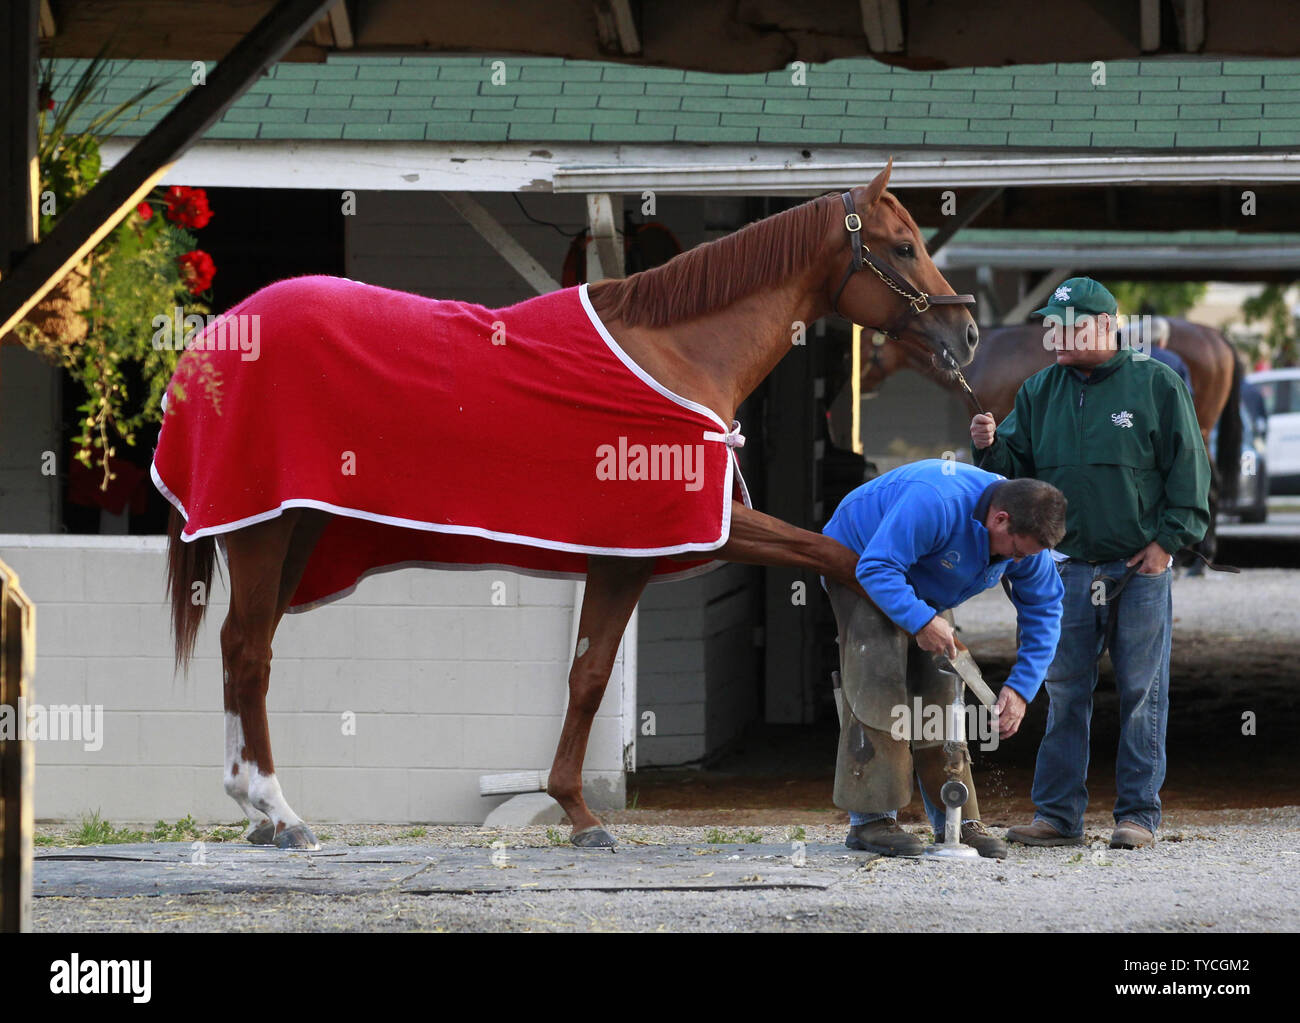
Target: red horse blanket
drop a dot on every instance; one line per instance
(440, 433)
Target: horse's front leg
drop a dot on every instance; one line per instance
(758, 539)
(614, 586)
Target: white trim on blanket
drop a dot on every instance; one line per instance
(637, 371)
(441, 527)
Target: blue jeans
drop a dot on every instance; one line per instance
(935, 813)
(1140, 655)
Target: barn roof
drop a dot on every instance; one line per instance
(1178, 104)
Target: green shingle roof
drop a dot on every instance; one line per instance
(1145, 104)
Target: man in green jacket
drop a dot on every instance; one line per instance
(1115, 431)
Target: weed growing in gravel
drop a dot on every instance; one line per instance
(95, 830)
(184, 830)
(796, 834)
(556, 837)
(414, 833)
(716, 837)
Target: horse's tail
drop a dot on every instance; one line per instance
(187, 564)
(1229, 447)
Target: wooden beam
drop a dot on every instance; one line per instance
(1190, 15)
(604, 218)
(341, 23)
(18, 168)
(983, 199)
(48, 28)
(1150, 31)
(102, 209)
(503, 241)
(882, 23)
(1036, 295)
(616, 27)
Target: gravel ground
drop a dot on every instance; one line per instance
(1208, 876)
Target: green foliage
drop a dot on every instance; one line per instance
(95, 830)
(1160, 298)
(130, 278)
(184, 830)
(1270, 305)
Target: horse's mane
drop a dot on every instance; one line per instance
(717, 273)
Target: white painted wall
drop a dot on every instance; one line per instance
(445, 687)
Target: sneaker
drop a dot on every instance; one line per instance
(884, 837)
(979, 838)
(1040, 833)
(1131, 836)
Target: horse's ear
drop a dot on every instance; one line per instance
(878, 185)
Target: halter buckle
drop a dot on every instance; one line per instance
(853, 222)
(920, 304)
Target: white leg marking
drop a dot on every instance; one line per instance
(264, 792)
(239, 772)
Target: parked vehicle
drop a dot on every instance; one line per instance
(1251, 502)
(1280, 389)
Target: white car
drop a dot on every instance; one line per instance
(1281, 391)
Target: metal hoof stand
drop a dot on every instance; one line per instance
(17, 760)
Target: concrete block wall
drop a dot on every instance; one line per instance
(444, 684)
(698, 669)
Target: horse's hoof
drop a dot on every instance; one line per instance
(594, 837)
(262, 834)
(297, 837)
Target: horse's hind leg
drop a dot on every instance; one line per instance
(614, 586)
(261, 562)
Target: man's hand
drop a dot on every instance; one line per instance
(1153, 559)
(937, 638)
(982, 430)
(1010, 711)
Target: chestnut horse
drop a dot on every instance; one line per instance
(1008, 356)
(709, 325)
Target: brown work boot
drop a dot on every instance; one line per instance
(979, 838)
(885, 837)
(1131, 836)
(1040, 833)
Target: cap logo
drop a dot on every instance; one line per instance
(1061, 294)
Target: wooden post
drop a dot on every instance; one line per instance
(17, 758)
(18, 171)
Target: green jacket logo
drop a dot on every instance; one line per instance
(1124, 419)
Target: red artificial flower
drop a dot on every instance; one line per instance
(44, 99)
(188, 206)
(197, 270)
(145, 211)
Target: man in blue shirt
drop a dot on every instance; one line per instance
(929, 536)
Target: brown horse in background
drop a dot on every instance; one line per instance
(1008, 356)
(709, 325)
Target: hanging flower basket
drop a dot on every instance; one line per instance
(59, 321)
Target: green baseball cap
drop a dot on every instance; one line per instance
(1084, 295)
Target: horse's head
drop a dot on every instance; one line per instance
(895, 288)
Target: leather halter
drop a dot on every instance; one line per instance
(917, 301)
